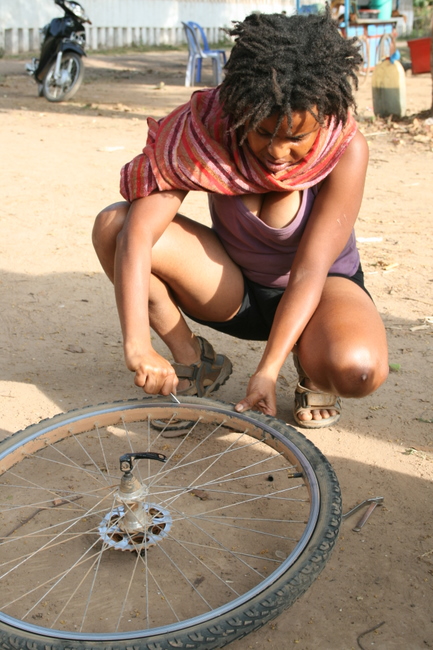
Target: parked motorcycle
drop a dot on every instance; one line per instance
(60, 69)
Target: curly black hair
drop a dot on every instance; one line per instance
(281, 64)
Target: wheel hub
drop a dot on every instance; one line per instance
(156, 526)
(135, 524)
(64, 78)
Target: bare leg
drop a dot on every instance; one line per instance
(343, 349)
(190, 270)
(108, 224)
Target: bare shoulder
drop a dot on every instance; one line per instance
(357, 148)
(353, 163)
(348, 176)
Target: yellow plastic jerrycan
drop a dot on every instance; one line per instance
(389, 88)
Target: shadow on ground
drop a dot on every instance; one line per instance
(49, 344)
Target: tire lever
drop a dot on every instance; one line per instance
(373, 503)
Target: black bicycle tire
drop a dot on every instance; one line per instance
(73, 88)
(244, 619)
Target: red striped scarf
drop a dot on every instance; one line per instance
(195, 149)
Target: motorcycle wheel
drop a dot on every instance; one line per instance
(72, 72)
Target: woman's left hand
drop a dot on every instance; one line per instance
(261, 395)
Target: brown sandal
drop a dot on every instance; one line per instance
(313, 400)
(205, 377)
(208, 374)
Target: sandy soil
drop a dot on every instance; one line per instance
(61, 349)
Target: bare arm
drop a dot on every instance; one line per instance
(331, 222)
(146, 221)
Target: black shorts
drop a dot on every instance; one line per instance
(254, 319)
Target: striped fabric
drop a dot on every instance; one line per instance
(195, 149)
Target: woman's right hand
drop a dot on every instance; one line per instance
(145, 222)
(154, 374)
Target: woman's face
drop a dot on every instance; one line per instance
(289, 145)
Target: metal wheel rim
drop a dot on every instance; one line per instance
(61, 90)
(227, 607)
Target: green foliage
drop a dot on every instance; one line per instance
(422, 21)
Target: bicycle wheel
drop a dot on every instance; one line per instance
(115, 537)
(364, 48)
(385, 47)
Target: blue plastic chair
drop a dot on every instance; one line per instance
(201, 36)
(308, 9)
(197, 53)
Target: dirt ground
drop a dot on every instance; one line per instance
(61, 348)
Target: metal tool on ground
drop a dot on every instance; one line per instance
(372, 504)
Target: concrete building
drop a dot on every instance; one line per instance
(117, 23)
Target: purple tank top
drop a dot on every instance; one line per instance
(266, 254)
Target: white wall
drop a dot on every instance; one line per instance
(121, 22)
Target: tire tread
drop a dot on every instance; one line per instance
(259, 610)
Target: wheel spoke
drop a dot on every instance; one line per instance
(105, 549)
